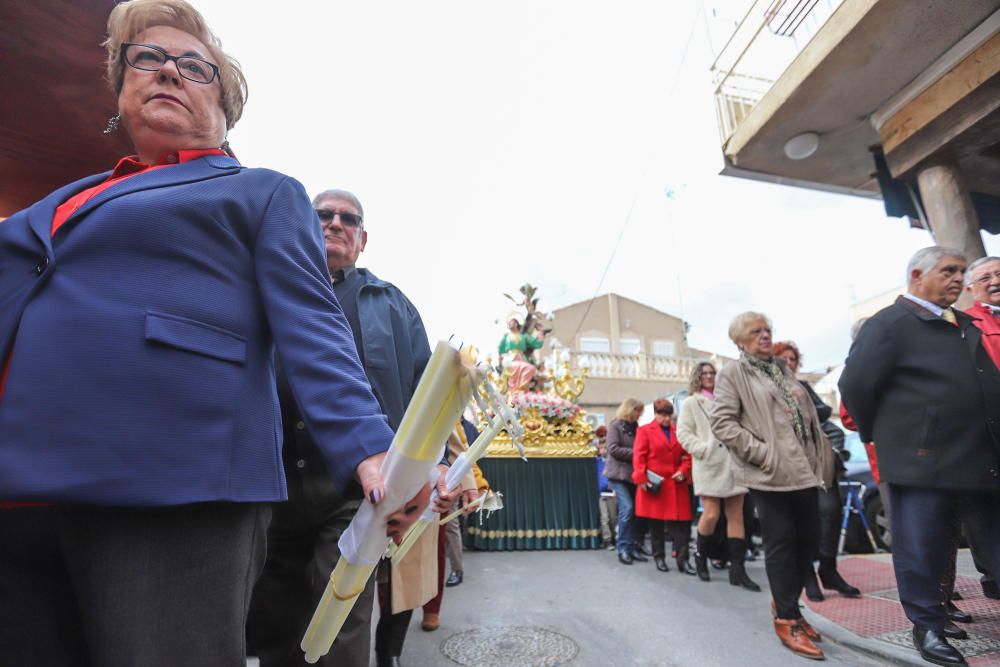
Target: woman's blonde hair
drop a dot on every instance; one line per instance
(128, 19)
(740, 326)
(694, 381)
(625, 409)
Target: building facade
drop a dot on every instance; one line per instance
(631, 350)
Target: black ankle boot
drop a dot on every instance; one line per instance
(832, 580)
(812, 586)
(700, 557)
(737, 573)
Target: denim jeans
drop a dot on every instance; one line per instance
(625, 492)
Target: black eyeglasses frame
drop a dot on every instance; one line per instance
(167, 57)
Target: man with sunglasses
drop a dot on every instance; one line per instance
(302, 539)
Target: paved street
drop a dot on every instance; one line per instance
(583, 609)
(603, 613)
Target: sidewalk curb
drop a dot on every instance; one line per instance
(867, 645)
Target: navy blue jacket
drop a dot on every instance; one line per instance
(396, 351)
(145, 330)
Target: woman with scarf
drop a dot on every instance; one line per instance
(769, 423)
(830, 502)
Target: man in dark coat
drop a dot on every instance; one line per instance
(302, 539)
(919, 383)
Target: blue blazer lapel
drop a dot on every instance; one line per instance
(195, 170)
(40, 215)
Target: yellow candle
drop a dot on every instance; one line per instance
(444, 389)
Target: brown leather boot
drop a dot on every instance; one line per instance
(431, 622)
(793, 636)
(811, 632)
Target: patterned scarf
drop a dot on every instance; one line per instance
(773, 371)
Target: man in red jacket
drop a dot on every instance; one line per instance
(982, 280)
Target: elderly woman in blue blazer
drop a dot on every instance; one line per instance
(140, 436)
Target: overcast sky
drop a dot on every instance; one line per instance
(493, 144)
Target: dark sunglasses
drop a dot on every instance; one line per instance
(346, 219)
(665, 413)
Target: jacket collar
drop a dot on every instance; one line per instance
(369, 279)
(964, 319)
(771, 385)
(40, 215)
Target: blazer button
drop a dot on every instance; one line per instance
(300, 425)
(42, 264)
(995, 473)
(300, 464)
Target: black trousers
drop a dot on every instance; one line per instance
(390, 632)
(117, 587)
(789, 521)
(831, 508)
(680, 535)
(922, 522)
(302, 551)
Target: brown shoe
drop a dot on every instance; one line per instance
(793, 636)
(431, 622)
(811, 632)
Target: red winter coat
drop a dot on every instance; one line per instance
(656, 451)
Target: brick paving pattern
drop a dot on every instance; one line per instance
(879, 616)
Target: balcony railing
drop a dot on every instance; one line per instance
(764, 43)
(640, 366)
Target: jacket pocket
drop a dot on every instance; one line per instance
(194, 336)
(926, 451)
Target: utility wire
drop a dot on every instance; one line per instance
(614, 251)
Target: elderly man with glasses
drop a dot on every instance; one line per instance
(302, 541)
(982, 280)
(920, 385)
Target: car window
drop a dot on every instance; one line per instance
(853, 444)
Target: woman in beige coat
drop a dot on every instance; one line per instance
(770, 425)
(713, 478)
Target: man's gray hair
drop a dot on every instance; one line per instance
(926, 259)
(339, 194)
(975, 265)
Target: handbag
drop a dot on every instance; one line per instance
(655, 481)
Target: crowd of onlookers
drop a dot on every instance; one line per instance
(751, 440)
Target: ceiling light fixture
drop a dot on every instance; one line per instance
(802, 145)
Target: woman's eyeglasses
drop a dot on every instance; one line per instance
(326, 216)
(151, 58)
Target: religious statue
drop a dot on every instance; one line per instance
(525, 334)
(517, 352)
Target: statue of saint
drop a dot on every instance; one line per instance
(516, 349)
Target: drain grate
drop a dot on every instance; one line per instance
(974, 645)
(510, 646)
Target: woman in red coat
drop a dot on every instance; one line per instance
(656, 449)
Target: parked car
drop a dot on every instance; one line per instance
(858, 470)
